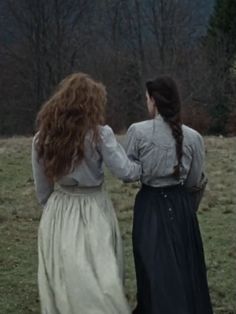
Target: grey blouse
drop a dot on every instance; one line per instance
(151, 143)
(90, 172)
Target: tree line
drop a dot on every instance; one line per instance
(122, 43)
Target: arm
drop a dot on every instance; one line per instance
(116, 159)
(43, 186)
(196, 181)
(131, 146)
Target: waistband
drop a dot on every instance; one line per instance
(75, 189)
(161, 189)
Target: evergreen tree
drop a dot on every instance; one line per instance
(223, 26)
(221, 48)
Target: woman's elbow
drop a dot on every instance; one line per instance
(43, 197)
(132, 175)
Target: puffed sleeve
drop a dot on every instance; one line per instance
(131, 145)
(116, 159)
(197, 180)
(42, 185)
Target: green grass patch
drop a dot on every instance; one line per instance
(20, 214)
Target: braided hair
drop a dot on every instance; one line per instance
(165, 93)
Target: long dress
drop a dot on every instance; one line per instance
(80, 252)
(167, 245)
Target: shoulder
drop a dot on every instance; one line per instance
(191, 136)
(105, 131)
(35, 139)
(140, 129)
(107, 136)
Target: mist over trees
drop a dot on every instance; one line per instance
(122, 43)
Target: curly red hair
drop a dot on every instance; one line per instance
(77, 107)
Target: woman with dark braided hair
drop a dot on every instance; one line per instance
(167, 245)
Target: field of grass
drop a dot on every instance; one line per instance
(20, 214)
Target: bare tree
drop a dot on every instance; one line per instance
(117, 41)
(46, 29)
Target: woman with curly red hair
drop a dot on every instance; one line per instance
(79, 243)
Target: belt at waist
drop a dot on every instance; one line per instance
(75, 189)
(162, 188)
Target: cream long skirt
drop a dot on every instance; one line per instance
(80, 255)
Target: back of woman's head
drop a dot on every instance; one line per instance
(77, 107)
(164, 92)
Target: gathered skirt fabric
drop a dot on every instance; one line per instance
(80, 255)
(168, 254)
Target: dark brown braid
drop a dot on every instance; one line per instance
(166, 95)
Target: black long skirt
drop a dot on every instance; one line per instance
(168, 254)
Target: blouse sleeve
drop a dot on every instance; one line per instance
(116, 159)
(131, 146)
(197, 180)
(42, 185)
(197, 169)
